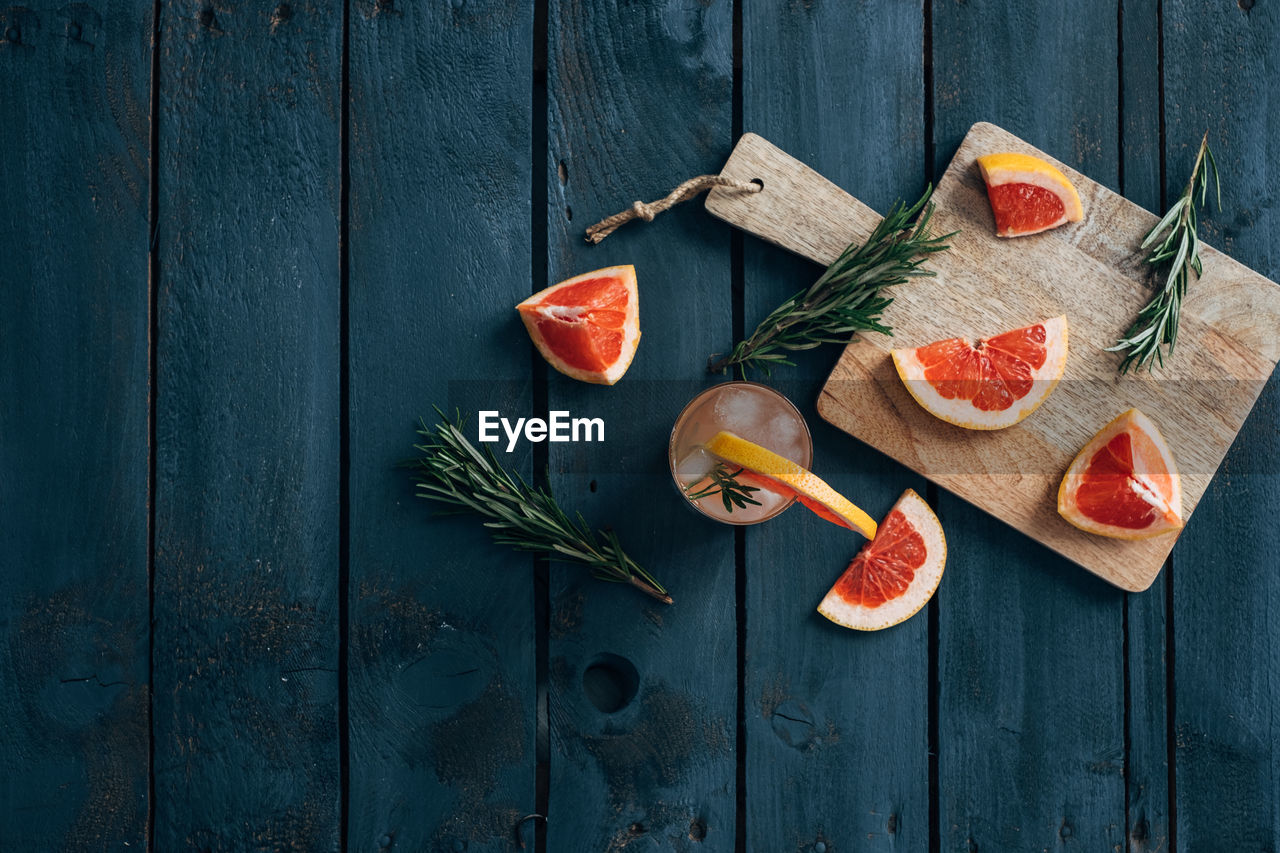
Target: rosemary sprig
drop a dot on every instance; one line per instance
(452, 471)
(725, 484)
(846, 298)
(1157, 323)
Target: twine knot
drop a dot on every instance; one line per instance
(643, 211)
(647, 212)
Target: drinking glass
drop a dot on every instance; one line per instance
(749, 410)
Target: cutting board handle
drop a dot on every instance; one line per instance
(798, 209)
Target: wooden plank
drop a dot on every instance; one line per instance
(984, 285)
(247, 438)
(836, 721)
(73, 426)
(639, 100)
(797, 208)
(1147, 761)
(1030, 657)
(441, 684)
(1225, 586)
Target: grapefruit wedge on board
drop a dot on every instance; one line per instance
(894, 574)
(1124, 483)
(781, 475)
(1028, 195)
(587, 327)
(991, 383)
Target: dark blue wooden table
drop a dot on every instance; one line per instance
(243, 246)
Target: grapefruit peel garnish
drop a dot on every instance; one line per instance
(789, 478)
(895, 574)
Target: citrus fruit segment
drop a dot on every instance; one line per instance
(989, 384)
(787, 478)
(894, 574)
(1027, 194)
(1124, 483)
(588, 326)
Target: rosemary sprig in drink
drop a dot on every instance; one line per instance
(1157, 323)
(725, 484)
(846, 298)
(451, 470)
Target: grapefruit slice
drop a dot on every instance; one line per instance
(1124, 483)
(781, 475)
(1027, 194)
(588, 326)
(989, 384)
(894, 574)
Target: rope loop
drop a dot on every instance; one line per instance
(647, 212)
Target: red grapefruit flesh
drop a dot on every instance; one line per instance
(1124, 483)
(991, 383)
(1024, 208)
(1027, 194)
(587, 327)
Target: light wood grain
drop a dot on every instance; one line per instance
(798, 209)
(1090, 271)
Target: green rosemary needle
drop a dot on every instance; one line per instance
(725, 484)
(452, 471)
(1156, 325)
(846, 298)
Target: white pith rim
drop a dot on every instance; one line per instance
(1073, 210)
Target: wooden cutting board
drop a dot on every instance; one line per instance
(1092, 271)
